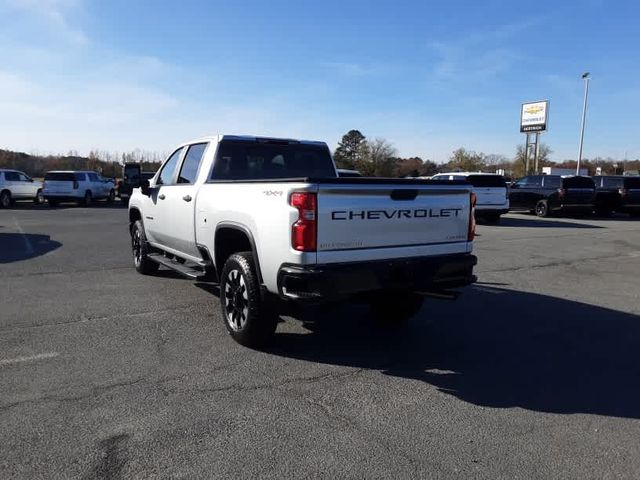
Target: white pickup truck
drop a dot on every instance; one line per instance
(271, 221)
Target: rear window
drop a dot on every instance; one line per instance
(132, 174)
(248, 160)
(609, 182)
(552, 181)
(487, 181)
(633, 182)
(578, 182)
(59, 177)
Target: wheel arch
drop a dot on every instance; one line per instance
(230, 238)
(134, 216)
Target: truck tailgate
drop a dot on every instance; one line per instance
(377, 216)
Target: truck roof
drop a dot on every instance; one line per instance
(250, 138)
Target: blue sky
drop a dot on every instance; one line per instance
(427, 76)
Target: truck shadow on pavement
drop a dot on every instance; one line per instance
(495, 348)
(534, 222)
(18, 246)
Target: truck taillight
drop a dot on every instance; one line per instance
(561, 192)
(305, 230)
(472, 217)
(76, 185)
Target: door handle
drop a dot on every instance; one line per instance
(187, 198)
(161, 196)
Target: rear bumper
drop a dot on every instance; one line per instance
(322, 283)
(491, 211)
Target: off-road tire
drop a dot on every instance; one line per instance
(247, 318)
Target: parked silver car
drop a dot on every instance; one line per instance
(16, 185)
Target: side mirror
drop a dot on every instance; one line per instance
(145, 188)
(31, 180)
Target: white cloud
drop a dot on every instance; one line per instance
(53, 14)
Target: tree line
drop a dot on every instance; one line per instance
(378, 157)
(372, 157)
(109, 164)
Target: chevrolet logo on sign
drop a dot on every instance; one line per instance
(533, 109)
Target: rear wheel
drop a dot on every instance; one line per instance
(88, 199)
(542, 208)
(140, 250)
(5, 199)
(39, 198)
(395, 307)
(246, 316)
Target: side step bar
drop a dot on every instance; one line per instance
(188, 272)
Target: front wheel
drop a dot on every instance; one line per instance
(39, 198)
(111, 197)
(247, 318)
(140, 250)
(542, 208)
(395, 307)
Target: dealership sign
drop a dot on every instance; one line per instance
(534, 116)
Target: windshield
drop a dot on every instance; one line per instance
(250, 160)
(59, 177)
(132, 174)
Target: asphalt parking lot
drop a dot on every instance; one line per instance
(533, 373)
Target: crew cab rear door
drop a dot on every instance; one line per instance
(176, 204)
(372, 214)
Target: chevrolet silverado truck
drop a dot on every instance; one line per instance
(271, 222)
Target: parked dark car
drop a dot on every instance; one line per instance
(616, 193)
(548, 194)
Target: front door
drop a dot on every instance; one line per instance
(157, 218)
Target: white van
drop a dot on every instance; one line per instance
(82, 187)
(490, 189)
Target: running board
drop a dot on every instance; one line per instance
(188, 272)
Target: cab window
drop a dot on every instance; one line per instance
(191, 163)
(166, 175)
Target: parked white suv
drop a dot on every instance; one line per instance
(16, 185)
(490, 189)
(82, 187)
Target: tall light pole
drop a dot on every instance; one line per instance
(585, 77)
